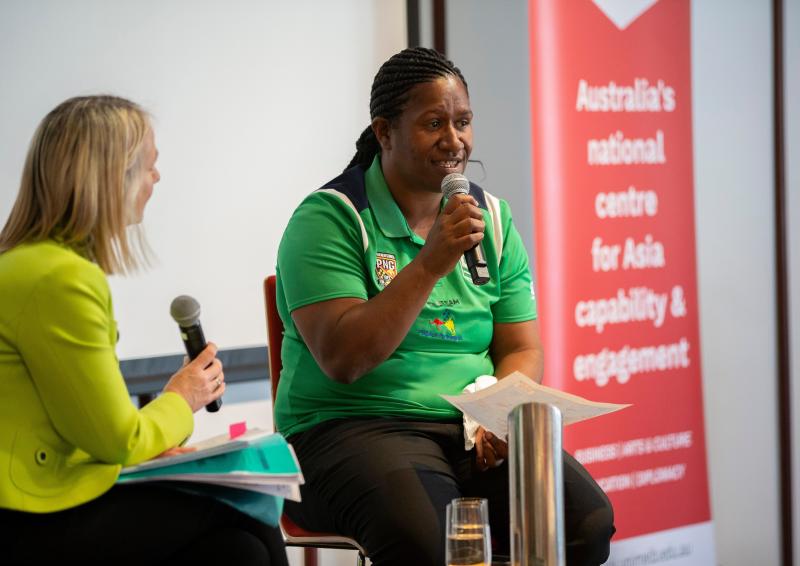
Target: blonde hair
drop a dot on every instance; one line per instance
(83, 170)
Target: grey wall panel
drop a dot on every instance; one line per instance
(489, 43)
(791, 37)
(732, 80)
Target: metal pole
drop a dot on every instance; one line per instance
(537, 486)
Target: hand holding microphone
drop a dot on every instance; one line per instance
(201, 381)
(457, 184)
(458, 231)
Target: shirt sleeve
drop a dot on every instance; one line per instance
(67, 338)
(321, 255)
(517, 299)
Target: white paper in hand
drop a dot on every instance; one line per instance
(490, 407)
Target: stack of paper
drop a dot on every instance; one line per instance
(255, 461)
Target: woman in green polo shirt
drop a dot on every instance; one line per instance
(67, 424)
(381, 318)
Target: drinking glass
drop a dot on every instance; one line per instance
(467, 528)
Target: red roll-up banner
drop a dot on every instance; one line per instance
(613, 194)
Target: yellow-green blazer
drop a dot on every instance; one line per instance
(67, 423)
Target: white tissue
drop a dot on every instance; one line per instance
(470, 426)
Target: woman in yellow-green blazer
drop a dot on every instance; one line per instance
(67, 424)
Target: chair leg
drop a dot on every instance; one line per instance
(309, 556)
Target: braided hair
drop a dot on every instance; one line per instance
(391, 88)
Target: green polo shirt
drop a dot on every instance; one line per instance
(326, 253)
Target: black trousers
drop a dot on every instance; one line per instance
(386, 482)
(140, 524)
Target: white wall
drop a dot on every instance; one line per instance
(732, 106)
(256, 104)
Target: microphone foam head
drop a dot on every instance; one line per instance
(455, 184)
(185, 310)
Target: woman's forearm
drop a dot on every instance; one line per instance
(364, 334)
(528, 362)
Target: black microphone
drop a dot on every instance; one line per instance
(457, 184)
(185, 310)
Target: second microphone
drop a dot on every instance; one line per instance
(185, 310)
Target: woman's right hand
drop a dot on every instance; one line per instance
(457, 229)
(199, 381)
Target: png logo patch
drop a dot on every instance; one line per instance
(385, 268)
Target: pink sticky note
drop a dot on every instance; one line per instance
(237, 429)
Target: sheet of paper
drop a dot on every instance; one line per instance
(221, 444)
(248, 435)
(490, 407)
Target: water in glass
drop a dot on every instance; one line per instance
(468, 540)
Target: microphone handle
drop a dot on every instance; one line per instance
(476, 263)
(195, 342)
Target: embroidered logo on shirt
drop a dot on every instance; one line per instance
(445, 327)
(385, 268)
(448, 323)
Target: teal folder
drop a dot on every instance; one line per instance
(238, 477)
(268, 456)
